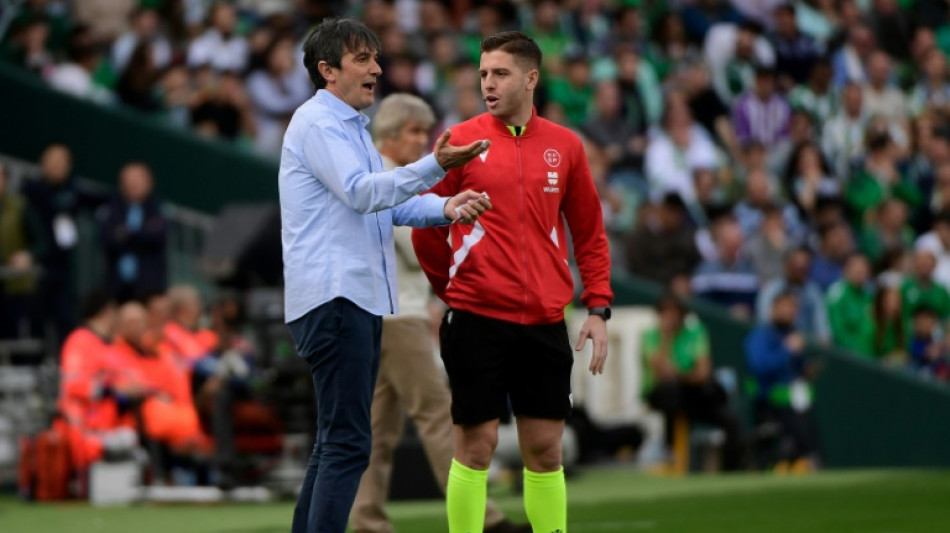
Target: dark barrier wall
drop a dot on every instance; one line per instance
(189, 171)
(868, 416)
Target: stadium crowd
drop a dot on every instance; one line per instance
(789, 161)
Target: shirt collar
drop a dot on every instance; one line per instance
(341, 109)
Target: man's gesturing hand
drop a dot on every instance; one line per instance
(595, 328)
(449, 156)
(466, 206)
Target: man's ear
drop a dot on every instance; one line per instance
(533, 76)
(326, 71)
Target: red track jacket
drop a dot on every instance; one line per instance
(512, 264)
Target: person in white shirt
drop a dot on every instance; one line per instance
(732, 52)
(143, 26)
(937, 241)
(219, 46)
(881, 97)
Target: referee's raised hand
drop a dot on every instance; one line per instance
(448, 156)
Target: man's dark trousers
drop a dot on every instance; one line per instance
(341, 343)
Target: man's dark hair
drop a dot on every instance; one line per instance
(669, 300)
(93, 303)
(330, 40)
(517, 44)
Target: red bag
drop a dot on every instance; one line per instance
(53, 464)
(27, 466)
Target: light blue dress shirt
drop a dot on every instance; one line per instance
(338, 206)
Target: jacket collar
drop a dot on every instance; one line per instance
(500, 128)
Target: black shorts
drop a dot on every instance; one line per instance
(490, 362)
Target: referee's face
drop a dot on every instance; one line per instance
(507, 86)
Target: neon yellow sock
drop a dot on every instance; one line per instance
(465, 498)
(545, 501)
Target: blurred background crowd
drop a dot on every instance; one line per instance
(788, 161)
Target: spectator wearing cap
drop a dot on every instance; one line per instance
(812, 317)
(795, 52)
(662, 245)
(762, 114)
(220, 47)
(677, 151)
(937, 241)
(732, 51)
(850, 308)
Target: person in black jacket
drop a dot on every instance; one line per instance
(134, 235)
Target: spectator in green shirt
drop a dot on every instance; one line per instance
(879, 179)
(920, 288)
(678, 379)
(574, 91)
(850, 308)
(890, 230)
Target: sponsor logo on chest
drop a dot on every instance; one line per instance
(552, 183)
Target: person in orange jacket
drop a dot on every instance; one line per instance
(183, 331)
(85, 396)
(147, 371)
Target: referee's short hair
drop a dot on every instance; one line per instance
(517, 44)
(396, 110)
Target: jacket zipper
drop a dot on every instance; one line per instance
(524, 256)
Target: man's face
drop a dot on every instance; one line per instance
(135, 183)
(355, 80)
(796, 267)
(924, 264)
(785, 311)
(879, 68)
(507, 86)
(56, 163)
(857, 271)
(409, 144)
(852, 100)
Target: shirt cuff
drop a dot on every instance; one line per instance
(430, 171)
(435, 210)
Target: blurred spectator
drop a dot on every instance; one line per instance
(920, 287)
(795, 51)
(707, 108)
(677, 377)
(662, 244)
(927, 357)
(889, 231)
(730, 279)
(768, 244)
(843, 135)
(78, 75)
(808, 179)
(134, 235)
(732, 52)
(144, 27)
(640, 88)
(850, 308)
(878, 180)
(881, 96)
(547, 29)
(812, 317)
(57, 201)
(275, 90)
(849, 62)
(220, 46)
(890, 339)
(816, 96)
(835, 246)
(675, 152)
(759, 196)
(670, 46)
(28, 46)
(107, 18)
(606, 128)
(16, 261)
(136, 86)
(573, 91)
(937, 242)
(184, 332)
(762, 114)
(933, 89)
(775, 355)
(225, 111)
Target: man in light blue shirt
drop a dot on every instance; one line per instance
(338, 207)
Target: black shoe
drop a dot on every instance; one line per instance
(506, 526)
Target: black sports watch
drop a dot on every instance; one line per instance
(602, 312)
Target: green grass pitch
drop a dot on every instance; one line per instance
(601, 500)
